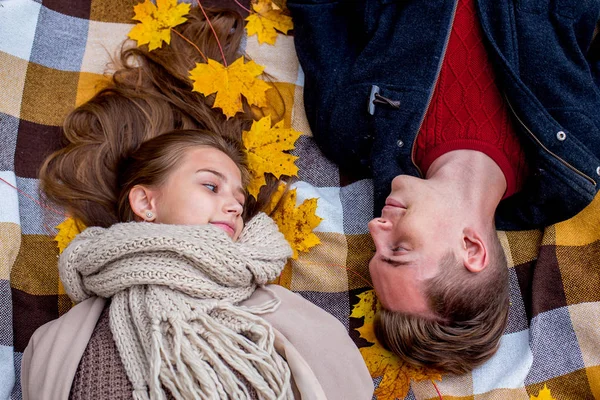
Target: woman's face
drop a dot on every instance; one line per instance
(205, 188)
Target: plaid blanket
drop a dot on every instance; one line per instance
(52, 56)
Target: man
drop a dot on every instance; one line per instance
(480, 114)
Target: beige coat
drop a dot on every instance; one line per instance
(324, 361)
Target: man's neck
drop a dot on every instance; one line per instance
(472, 178)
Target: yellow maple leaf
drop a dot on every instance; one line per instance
(544, 394)
(267, 20)
(156, 21)
(67, 230)
(230, 83)
(279, 4)
(265, 147)
(297, 223)
(275, 197)
(366, 307)
(395, 374)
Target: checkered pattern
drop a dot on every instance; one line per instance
(52, 56)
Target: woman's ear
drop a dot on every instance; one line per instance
(474, 254)
(142, 201)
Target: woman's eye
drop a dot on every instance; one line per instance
(211, 187)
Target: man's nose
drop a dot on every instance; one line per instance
(379, 228)
(380, 224)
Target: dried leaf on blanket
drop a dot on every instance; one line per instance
(230, 84)
(156, 21)
(267, 20)
(266, 147)
(544, 394)
(296, 223)
(396, 375)
(67, 230)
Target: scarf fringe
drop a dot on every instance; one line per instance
(205, 352)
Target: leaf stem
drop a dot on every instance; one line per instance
(242, 6)
(437, 390)
(214, 33)
(192, 43)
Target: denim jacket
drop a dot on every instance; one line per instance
(540, 52)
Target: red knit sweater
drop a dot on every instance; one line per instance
(467, 110)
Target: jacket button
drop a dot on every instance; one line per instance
(598, 171)
(560, 135)
(400, 143)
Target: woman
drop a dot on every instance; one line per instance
(170, 282)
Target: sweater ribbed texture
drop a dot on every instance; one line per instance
(100, 374)
(467, 110)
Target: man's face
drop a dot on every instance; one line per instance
(414, 232)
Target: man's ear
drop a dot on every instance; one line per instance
(474, 254)
(142, 201)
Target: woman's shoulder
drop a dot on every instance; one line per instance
(55, 349)
(295, 308)
(322, 342)
(77, 322)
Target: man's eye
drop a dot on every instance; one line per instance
(398, 249)
(211, 187)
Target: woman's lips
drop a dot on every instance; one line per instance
(226, 227)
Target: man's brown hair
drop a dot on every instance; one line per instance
(471, 312)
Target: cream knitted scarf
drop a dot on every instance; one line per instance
(174, 314)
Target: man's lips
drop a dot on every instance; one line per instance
(392, 208)
(226, 226)
(394, 203)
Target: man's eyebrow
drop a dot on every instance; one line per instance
(224, 178)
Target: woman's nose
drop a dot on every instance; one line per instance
(232, 206)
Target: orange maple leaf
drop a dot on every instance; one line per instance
(267, 20)
(296, 223)
(265, 147)
(543, 394)
(231, 83)
(396, 374)
(156, 21)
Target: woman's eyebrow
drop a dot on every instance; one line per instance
(212, 171)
